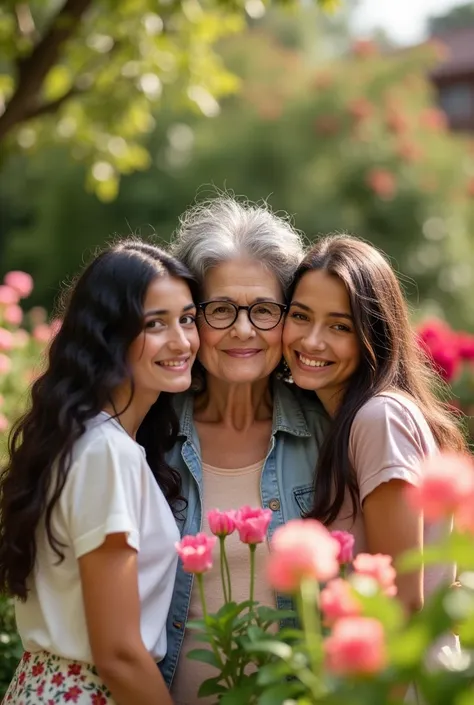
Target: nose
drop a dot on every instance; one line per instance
(242, 327)
(178, 340)
(314, 341)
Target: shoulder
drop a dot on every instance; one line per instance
(292, 400)
(103, 439)
(391, 409)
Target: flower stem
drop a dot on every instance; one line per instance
(308, 602)
(253, 548)
(222, 564)
(205, 615)
(227, 571)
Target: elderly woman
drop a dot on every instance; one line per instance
(246, 437)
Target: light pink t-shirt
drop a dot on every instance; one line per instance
(388, 438)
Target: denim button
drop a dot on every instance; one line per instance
(274, 504)
(178, 625)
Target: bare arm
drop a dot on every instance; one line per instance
(109, 580)
(393, 527)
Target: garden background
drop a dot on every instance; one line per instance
(115, 115)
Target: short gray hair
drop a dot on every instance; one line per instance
(223, 229)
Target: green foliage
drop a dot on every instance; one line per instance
(10, 644)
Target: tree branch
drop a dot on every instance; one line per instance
(32, 70)
(51, 107)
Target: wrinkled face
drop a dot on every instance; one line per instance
(319, 339)
(162, 355)
(241, 353)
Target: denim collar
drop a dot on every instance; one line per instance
(288, 415)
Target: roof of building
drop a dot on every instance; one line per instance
(459, 44)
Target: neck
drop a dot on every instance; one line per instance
(130, 414)
(235, 406)
(330, 399)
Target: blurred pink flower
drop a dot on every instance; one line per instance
(441, 345)
(21, 338)
(4, 423)
(196, 552)
(365, 48)
(252, 524)
(433, 119)
(379, 567)
(221, 523)
(361, 108)
(465, 346)
(346, 545)
(356, 647)
(396, 121)
(382, 182)
(6, 339)
(447, 482)
(13, 315)
(8, 295)
(338, 600)
(5, 364)
(21, 282)
(37, 315)
(302, 548)
(42, 333)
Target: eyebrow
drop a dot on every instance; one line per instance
(331, 314)
(258, 300)
(163, 312)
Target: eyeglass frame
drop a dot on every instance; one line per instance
(202, 306)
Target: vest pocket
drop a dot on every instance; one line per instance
(304, 498)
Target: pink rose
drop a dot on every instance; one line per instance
(196, 552)
(379, 567)
(5, 364)
(221, 523)
(338, 600)
(13, 315)
(8, 295)
(6, 339)
(356, 647)
(346, 545)
(21, 282)
(4, 423)
(252, 524)
(302, 548)
(447, 480)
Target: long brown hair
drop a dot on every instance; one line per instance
(391, 358)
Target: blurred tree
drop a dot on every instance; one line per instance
(90, 73)
(459, 16)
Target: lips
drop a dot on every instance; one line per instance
(312, 362)
(175, 363)
(242, 353)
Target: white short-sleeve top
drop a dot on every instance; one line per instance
(109, 489)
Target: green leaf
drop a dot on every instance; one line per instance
(277, 648)
(211, 686)
(205, 656)
(270, 615)
(277, 694)
(272, 672)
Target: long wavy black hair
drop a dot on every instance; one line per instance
(87, 361)
(391, 359)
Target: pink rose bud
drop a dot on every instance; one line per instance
(346, 545)
(4, 424)
(221, 523)
(21, 282)
(7, 340)
(252, 524)
(8, 295)
(302, 548)
(13, 315)
(5, 364)
(447, 479)
(380, 568)
(338, 600)
(356, 647)
(196, 552)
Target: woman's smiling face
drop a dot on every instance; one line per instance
(320, 343)
(241, 353)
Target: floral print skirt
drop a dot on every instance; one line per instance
(45, 679)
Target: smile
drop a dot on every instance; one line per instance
(309, 362)
(242, 352)
(176, 364)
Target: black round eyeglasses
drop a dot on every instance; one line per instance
(264, 315)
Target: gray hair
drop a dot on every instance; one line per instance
(223, 229)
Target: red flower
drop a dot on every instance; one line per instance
(74, 669)
(58, 679)
(410, 152)
(26, 656)
(382, 182)
(72, 694)
(37, 669)
(98, 699)
(40, 689)
(396, 122)
(361, 109)
(364, 48)
(433, 119)
(21, 678)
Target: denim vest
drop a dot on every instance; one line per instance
(286, 485)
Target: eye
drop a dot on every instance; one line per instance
(297, 316)
(154, 325)
(188, 320)
(341, 327)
